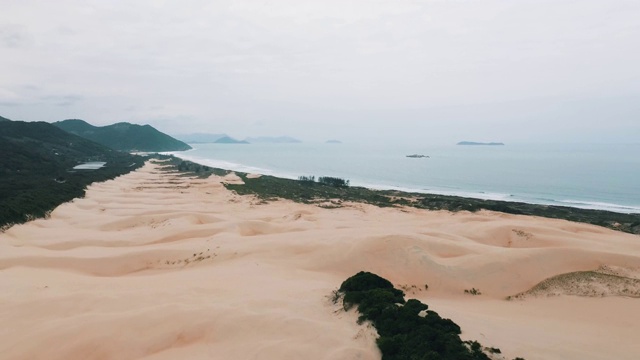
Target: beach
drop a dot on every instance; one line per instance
(154, 265)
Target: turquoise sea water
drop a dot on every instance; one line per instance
(587, 176)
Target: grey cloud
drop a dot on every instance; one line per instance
(22, 97)
(64, 100)
(14, 36)
(29, 87)
(9, 103)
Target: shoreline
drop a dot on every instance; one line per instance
(583, 204)
(204, 272)
(295, 190)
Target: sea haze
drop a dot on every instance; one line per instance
(595, 176)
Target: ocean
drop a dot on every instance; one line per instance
(591, 176)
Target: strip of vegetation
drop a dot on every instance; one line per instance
(189, 168)
(407, 329)
(271, 188)
(324, 180)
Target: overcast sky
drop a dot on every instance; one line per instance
(433, 70)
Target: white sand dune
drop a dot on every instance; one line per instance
(158, 266)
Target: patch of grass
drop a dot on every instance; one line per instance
(472, 291)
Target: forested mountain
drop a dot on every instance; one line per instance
(124, 136)
(36, 168)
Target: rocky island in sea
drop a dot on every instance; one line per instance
(417, 156)
(229, 140)
(479, 143)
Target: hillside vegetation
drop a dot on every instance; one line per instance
(124, 136)
(36, 168)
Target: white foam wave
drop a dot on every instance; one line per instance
(594, 205)
(467, 194)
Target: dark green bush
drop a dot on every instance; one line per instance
(404, 333)
(364, 281)
(307, 178)
(333, 181)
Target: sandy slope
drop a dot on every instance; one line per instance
(153, 266)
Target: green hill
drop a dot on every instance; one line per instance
(36, 168)
(124, 136)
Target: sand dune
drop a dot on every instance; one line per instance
(155, 265)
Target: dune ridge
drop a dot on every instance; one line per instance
(154, 265)
(605, 281)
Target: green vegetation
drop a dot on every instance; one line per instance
(324, 180)
(188, 167)
(124, 136)
(308, 180)
(270, 188)
(472, 291)
(407, 329)
(196, 168)
(333, 181)
(36, 168)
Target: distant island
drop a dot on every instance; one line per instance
(272, 140)
(207, 138)
(229, 140)
(417, 156)
(479, 143)
(123, 136)
(333, 142)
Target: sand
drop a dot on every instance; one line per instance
(156, 266)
